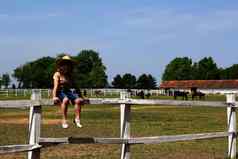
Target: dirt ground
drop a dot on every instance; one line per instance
(25, 121)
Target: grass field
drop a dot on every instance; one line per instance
(103, 121)
(216, 97)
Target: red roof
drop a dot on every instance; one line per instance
(209, 84)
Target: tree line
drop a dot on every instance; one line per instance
(183, 68)
(89, 72)
(130, 81)
(5, 80)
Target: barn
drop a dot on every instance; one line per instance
(205, 86)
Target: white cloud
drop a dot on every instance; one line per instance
(179, 21)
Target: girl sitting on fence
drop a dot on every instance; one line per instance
(62, 93)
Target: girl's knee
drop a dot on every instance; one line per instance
(78, 101)
(65, 101)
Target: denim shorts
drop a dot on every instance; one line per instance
(68, 94)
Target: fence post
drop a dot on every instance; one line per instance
(24, 92)
(7, 92)
(91, 91)
(231, 120)
(125, 126)
(49, 93)
(34, 125)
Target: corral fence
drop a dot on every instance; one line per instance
(91, 92)
(46, 93)
(36, 142)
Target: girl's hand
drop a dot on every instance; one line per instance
(56, 100)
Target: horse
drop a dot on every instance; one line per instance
(98, 93)
(198, 94)
(141, 94)
(148, 95)
(181, 94)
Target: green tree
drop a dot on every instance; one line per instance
(36, 74)
(6, 80)
(90, 71)
(23, 75)
(42, 72)
(117, 81)
(206, 69)
(178, 69)
(129, 81)
(146, 82)
(151, 82)
(0, 82)
(230, 72)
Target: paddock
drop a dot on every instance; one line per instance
(36, 142)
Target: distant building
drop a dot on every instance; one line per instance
(205, 86)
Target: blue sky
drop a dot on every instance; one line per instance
(131, 36)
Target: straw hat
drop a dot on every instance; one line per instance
(65, 59)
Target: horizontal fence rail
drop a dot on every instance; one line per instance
(18, 148)
(125, 140)
(93, 92)
(109, 101)
(136, 140)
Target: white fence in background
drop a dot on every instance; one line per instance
(23, 92)
(107, 92)
(46, 93)
(125, 140)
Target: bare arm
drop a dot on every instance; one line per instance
(56, 84)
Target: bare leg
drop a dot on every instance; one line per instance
(77, 108)
(64, 108)
(77, 112)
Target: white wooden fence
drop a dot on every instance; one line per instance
(23, 92)
(36, 142)
(102, 92)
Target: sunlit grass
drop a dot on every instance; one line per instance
(103, 121)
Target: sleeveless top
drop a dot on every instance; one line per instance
(64, 82)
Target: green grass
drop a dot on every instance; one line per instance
(215, 97)
(13, 97)
(103, 121)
